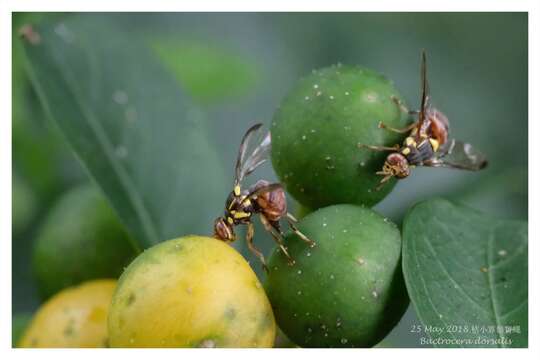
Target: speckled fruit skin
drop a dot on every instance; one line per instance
(76, 317)
(190, 292)
(81, 239)
(316, 130)
(347, 291)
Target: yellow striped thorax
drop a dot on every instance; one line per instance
(237, 205)
(240, 214)
(409, 141)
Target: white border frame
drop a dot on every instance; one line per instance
(530, 6)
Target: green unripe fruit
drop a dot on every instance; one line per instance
(302, 211)
(317, 129)
(81, 239)
(348, 290)
(23, 205)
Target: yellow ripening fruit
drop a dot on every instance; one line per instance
(192, 291)
(75, 317)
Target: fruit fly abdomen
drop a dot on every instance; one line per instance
(272, 204)
(438, 126)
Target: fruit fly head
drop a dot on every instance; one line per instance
(395, 165)
(223, 230)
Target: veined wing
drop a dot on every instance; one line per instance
(426, 100)
(459, 155)
(253, 152)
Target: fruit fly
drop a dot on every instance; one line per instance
(427, 143)
(263, 198)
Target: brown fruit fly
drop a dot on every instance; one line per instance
(263, 198)
(427, 143)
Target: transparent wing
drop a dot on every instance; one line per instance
(425, 102)
(422, 124)
(253, 152)
(258, 156)
(459, 155)
(244, 144)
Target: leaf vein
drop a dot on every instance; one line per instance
(491, 286)
(424, 285)
(506, 314)
(107, 148)
(447, 273)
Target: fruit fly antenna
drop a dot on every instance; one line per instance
(223, 230)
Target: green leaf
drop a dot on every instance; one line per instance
(210, 72)
(464, 272)
(131, 126)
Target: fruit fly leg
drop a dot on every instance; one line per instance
(380, 148)
(399, 131)
(272, 228)
(403, 107)
(383, 181)
(249, 240)
(292, 221)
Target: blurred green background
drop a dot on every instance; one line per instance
(236, 68)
